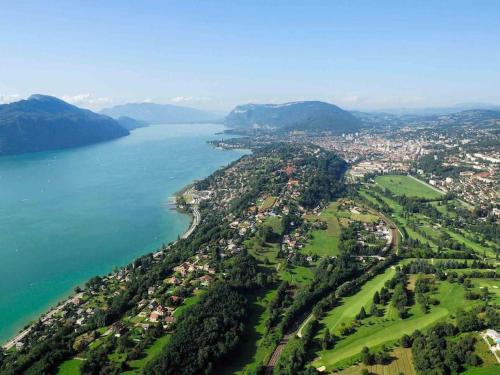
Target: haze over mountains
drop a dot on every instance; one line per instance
(161, 113)
(304, 115)
(46, 123)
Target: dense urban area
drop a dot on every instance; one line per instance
(373, 252)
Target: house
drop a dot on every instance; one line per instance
(206, 280)
(155, 316)
(174, 281)
(151, 291)
(170, 319)
(176, 299)
(495, 336)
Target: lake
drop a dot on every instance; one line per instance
(68, 215)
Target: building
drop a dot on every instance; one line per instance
(495, 336)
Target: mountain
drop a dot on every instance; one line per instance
(437, 111)
(130, 123)
(307, 115)
(472, 117)
(46, 123)
(160, 113)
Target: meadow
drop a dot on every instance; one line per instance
(405, 185)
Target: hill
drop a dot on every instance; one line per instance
(47, 123)
(308, 115)
(160, 113)
(130, 123)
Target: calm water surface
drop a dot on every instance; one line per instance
(68, 215)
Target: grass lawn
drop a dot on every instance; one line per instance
(188, 302)
(297, 275)
(351, 305)
(377, 331)
(267, 203)
(493, 288)
(274, 222)
(325, 242)
(480, 250)
(70, 367)
(490, 370)
(404, 185)
(151, 352)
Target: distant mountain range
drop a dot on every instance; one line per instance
(305, 115)
(436, 111)
(130, 123)
(46, 123)
(161, 113)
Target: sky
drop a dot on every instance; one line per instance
(218, 54)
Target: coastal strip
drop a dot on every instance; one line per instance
(17, 339)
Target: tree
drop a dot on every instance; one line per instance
(366, 356)
(406, 341)
(376, 298)
(327, 339)
(362, 314)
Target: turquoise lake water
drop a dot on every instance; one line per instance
(68, 215)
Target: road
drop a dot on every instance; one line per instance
(20, 336)
(194, 224)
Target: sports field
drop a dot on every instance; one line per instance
(376, 331)
(404, 185)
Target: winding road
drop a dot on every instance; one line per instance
(194, 224)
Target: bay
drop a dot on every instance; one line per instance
(68, 215)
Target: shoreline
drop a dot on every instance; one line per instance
(72, 297)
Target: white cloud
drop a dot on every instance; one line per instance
(9, 98)
(87, 100)
(181, 99)
(190, 99)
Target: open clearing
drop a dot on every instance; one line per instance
(404, 185)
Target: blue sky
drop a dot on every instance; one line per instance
(216, 54)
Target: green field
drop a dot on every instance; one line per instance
(493, 288)
(187, 303)
(351, 305)
(326, 242)
(376, 331)
(267, 203)
(70, 367)
(151, 352)
(404, 185)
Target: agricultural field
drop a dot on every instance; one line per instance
(405, 185)
(401, 364)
